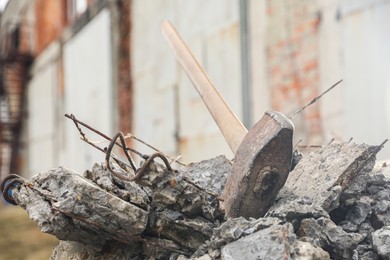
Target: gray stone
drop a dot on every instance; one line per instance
(71, 207)
(277, 241)
(75, 250)
(324, 233)
(189, 233)
(209, 174)
(364, 206)
(174, 191)
(323, 174)
(159, 248)
(106, 209)
(257, 238)
(293, 209)
(232, 230)
(359, 213)
(348, 226)
(307, 251)
(128, 191)
(274, 242)
(382, 206)
(369, 255)
(381, 241)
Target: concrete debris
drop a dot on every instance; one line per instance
(71, 207)
(381, 242)
(335, 205)
(294, 209)
(263, 238)
(75, 250)
(327, 235)
(232, 230)
(274, 242)
(209, 174)
(321, 176)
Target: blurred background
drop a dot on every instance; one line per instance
(106, 62)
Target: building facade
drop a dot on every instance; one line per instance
(106, 62)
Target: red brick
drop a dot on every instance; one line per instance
(293, 60)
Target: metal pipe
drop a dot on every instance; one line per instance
(246, 74)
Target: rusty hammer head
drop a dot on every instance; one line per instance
(260, 168)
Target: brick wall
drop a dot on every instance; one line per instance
(50, 22)
(293, 62)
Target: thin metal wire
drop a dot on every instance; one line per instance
(314, 100)
(153, 148)
(77, 122)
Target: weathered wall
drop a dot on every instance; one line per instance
(366, 61)
(42, 133)
(258, 24)
(167, 111)
(310, 45)
(71, 75)
(330, 66)
(298, 49)
(88, 89)
(293, 62)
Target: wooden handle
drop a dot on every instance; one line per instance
(229, 124)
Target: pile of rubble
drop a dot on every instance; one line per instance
(270, 203)
(334, 205)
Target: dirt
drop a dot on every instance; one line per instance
(20, 237)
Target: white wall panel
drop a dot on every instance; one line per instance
(366, 63)
(168, 112)
(40, 123)
(88, 89)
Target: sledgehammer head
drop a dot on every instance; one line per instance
(260, 168)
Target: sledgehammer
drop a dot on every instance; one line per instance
(263, 155)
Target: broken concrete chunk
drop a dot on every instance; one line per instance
(369, 255)
(326, 234)
(373, 189)
(128, 191)
(333, 207)
(364, 207)
(277, 241)
(274, 242)
(175, 192)
(359, 212)
(209, 174)
(322, 175)
(381, 241)
(59, 225)
(72, 207)
(159, 248)
(188, 233)
(231, 230)
(75, 250)
(306, 251)
(172, 216)
(234, 228)
(293, 209)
